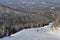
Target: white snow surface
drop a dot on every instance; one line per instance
(42, 33)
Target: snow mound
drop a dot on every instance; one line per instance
(42, 33)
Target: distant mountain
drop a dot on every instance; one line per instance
(32, 4)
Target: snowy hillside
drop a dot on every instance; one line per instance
(32, 4)
(42, 33)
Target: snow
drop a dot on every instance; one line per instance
(43, 3)
(52, 8)
(42, 33)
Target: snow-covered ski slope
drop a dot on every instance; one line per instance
(42, 33)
